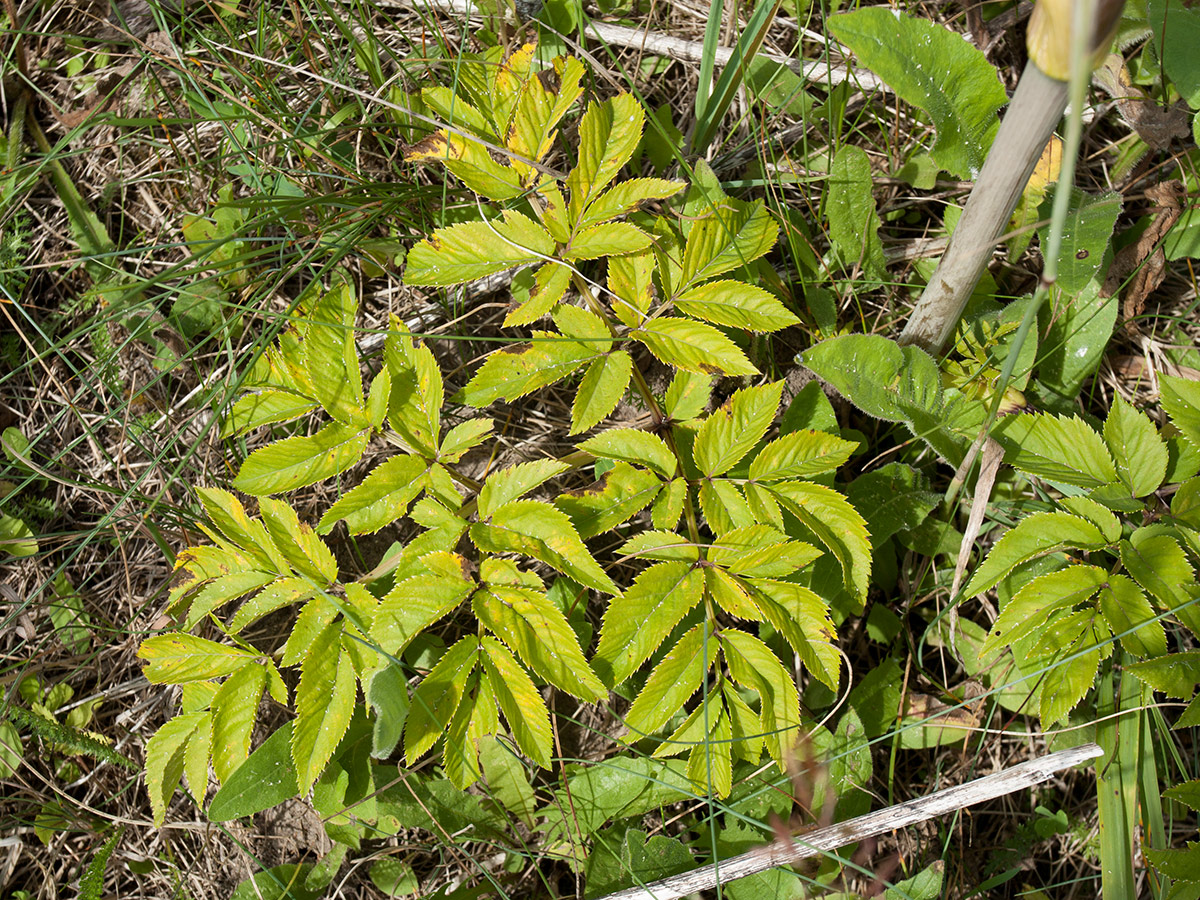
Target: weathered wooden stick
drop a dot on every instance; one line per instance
(998, 784)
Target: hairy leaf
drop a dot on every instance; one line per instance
(606, 239)
(1181, 400)
(753, 665)
(661, 545)
(853, 221)
(625, 196)
(760, 551)
(1126, 609)
(1042, 597)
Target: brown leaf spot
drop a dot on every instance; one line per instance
(598, 487)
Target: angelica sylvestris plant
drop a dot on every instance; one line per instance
(720, 515)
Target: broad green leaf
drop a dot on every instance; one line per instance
(602, 387)
(507, 782)
(760, 551)
(226, 512)
(471, 162)
(514, 482)
(415, 399)
(518, 370)
(235, 708)
(661, 545)
(954, 82)
(892, 498)
(836, 523)
(381, 498)
(1080, 328)
(1176, 29)
(674, 680)
(296, 462)
(437, 697)
(1183, 865)
(731, 431)
(1034, 603)
(330, 356)
(165, 759)
(1126, 608)
(298, 542)
(801, 454)
(637, 623)
(1137, 449)
(542, 532)
(412, 606)
(618, 494)
(925, 885)
(609, 132)
(804, 621)
(753, 665)
(634, 446)
(387, 693)
(606, 239)
(735, 304)
(687, 395)
(286, 882)
(625, 196)
(538, 632)
(620, 787)
(267, 778)
(471, 250)
(1056, 448)
(1086, 232)
(177, 658)
(1034, 536)
(524, 709)
(727, 237)
(17, 538)
(1181, 400)
(324, 705)
(1175, 675)
(853, 221)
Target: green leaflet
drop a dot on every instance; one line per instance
(297, 462)
(1082, 646)
(1176, 675)
(164, 761)
(515, 482)
(836, 523)
(537, 631)
(324, 705)
(760, 551)
(600, 390)
(264, 780)
(609, 132)
(416, 394)
(471, 250)
(661, 545)
(1035, 535)
(1181, 400)
(731, 431)
(331, 358)
(630, 278)
(804, 621)
(617, 495)
(537, 292)
(544, 533)
(176, 658)
(471, 162)
(1056, 448)
(1138, 451)
(227, 513)
(801, 454)
(625, 196)
(235, 708)
(382, 497)
(753, 665)
(305, 552)
(1130, 617)
(633, 446)
(606, 239)
(674, 680)
(513, 372)
(637, 623)
(735, 304)
(693, 346)
(524, 709)
(728, 237)
(1040, 599)
(853, 221)
(954, 83)
(437, 697)
(412, 606)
